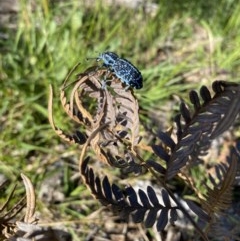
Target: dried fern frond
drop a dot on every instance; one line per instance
(8, 221)
(209, 120)
(141, 206)
(219, 193)
(8, 214)
(31, 200)
(14, 227)
(106, 113)
(78, 137)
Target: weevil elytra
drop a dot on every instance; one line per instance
(122, 68)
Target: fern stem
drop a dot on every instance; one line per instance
(203, 235)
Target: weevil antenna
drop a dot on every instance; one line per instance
(96, 58)
(88, 58)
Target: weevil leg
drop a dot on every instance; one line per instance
(105, 80)
(104, 85)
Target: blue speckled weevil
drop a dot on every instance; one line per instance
(122, 68)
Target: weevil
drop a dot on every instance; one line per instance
(123, 69)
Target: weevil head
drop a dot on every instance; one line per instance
(137, 83)
(109, 58)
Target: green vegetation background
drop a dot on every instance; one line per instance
(178, 46)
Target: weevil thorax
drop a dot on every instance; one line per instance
(109, 58)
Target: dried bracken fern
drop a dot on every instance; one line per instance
(110, 128)
(209, 120)
(126, 201)
(219, 193)
(25, 227)
(7, 215)
(8, 220)
(194, 138)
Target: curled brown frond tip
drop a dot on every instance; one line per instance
(9, 218)
(106, 112)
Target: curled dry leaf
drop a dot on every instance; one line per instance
(8, 222)
(106, 112)
(31, 200)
